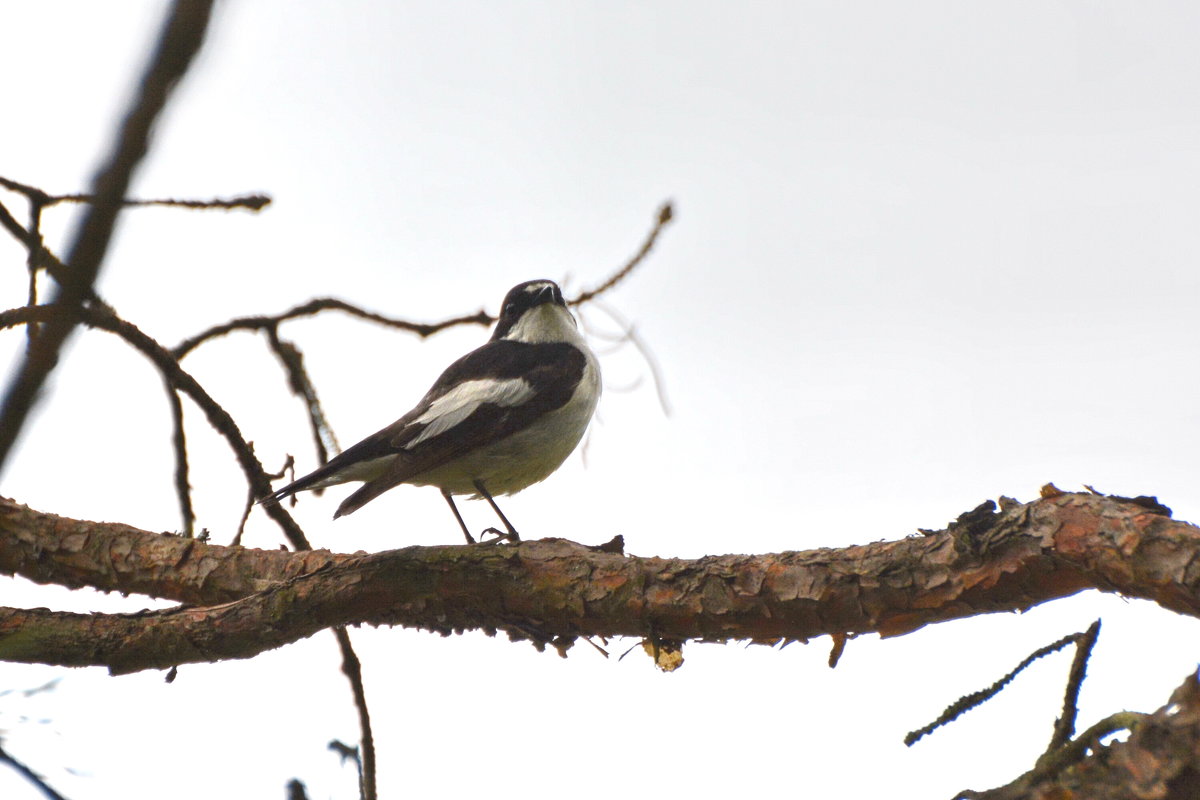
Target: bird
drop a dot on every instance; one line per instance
(498, 420)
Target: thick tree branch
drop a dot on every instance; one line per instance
(553, 591)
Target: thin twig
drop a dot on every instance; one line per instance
(965, 704)
(183, 487)
(316, 306)
(31, 263)
(665, 213)
(302, 386)
(1064, 726)
(179, 43)
(630, 334)
(29, 775)
(248, 507)
(250, 202)
(353, 670)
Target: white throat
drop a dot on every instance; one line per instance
(546, 323)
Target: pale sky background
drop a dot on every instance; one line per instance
(926, 254)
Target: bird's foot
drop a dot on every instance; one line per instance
(500, 536)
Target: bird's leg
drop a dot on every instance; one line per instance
(458, 516)
(511, 535)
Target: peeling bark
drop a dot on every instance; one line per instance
(552, 590)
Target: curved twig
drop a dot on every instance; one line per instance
(665, 214)
(292, 361)
(316, 306)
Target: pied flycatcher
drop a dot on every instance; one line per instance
(499, 419)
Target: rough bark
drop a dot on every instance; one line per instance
(553, 590)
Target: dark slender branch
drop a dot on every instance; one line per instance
(33, 256)
(975, 699)
(250, 202)
(183, 487)
(292, 361)
(353, 671)
(247, 509)
(180, 41)
(1064, 726)
(28, 774)
(318, 305)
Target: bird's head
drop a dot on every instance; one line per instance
(535, 312)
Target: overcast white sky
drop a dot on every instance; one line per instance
(925, 254)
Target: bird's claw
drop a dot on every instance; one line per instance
(501, 536)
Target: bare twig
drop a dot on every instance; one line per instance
(250, 202)
(318, 305)
(32, 258)
(629, 334)
(1064, 726)
(665, 213)
(183, 487)
(965, 704)
(247, 508)
(292, 361)
(353, 671)
(179, 43)
(29, 775)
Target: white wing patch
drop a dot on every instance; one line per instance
(460, 402)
